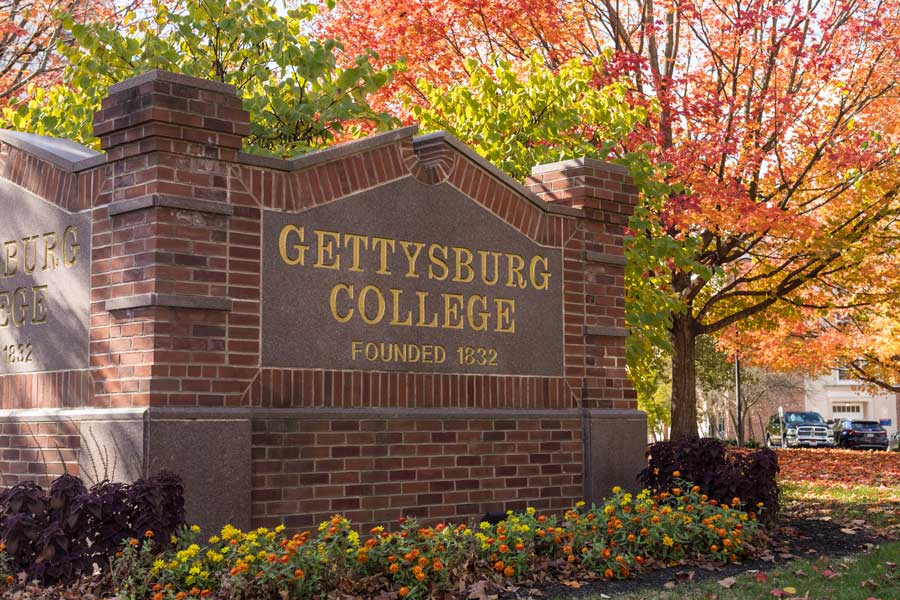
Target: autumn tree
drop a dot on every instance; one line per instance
(771, 113)
(298, 96)
(31, 30)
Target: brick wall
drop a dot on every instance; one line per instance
(375, 470)
(36, 451)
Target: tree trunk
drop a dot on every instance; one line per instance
(684, 377)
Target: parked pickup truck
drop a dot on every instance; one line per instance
(800, 429)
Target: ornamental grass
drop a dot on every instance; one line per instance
(624, 535)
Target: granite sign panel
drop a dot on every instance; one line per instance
(409, 277)
(45, 255)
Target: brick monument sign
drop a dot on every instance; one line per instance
(387, 327)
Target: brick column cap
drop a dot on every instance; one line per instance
(574, 163)
(170, 77)
(171, 112)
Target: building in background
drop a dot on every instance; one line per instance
(834, 396)
(839, 396)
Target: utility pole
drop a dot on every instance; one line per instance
(737, 394)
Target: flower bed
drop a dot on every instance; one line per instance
(625, 534)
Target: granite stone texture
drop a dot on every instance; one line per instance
(615, 447)
(45, 266)
(324, 308)
(212, 457)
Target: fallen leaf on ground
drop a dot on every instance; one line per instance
(728, 582)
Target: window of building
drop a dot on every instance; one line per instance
(844, 374)
(846, 408)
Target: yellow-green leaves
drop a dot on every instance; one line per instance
(299, 94)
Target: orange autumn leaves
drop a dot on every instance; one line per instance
(840, 467)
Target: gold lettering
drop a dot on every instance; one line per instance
(74, 246)
(382, 244)
(333, 302)
(4, 309)
(434, 318)
(506, 322)
(379, 314)
(452, 305)
(20, 307)
(460, 263)
(327, 248)
(544, 275)
(395, 300)
(515, 264)
(39, 308)
(484, 254)
(477, 321)
(355, 348)
(12, 266)
(50, 260)
(300, 248)
(439, 262)
(355, 241)
(32, 243)
(411, 258)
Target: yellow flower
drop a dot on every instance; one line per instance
(195, 528)
(530, 510)
(215, 539)
(616, 489)
(279, 529)
(676, 473)
(667, 541)
(580, 504)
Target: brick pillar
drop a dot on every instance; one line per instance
(161, 304)
(615, 432)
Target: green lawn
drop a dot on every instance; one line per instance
(861, 577)
(877, 508)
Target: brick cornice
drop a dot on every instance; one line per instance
(121, 207)
(168, 300)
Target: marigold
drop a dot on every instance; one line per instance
(608, 573)
(509, 571)
(404, 592)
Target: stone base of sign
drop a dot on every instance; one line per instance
(210, 451)
(616, 441)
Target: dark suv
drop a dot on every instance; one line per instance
(860, 434)
(800, 429)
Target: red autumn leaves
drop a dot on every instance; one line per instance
(840, 467)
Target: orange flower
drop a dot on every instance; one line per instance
(714, 548)
(499, 566)
(437, 565)
(509, 571)
(520, 546)
(631, 537)
(195, 591)
(148, 534)
(609, 574)
(133, 541)
(158, 596)
(404, 592)
(394, 568)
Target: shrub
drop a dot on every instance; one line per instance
(415, 562)
(59, 536)
(721, 474)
